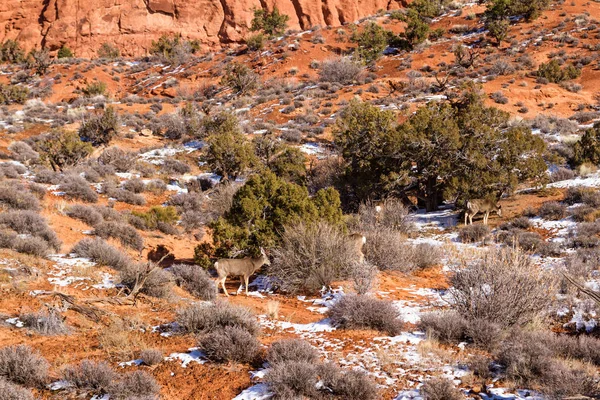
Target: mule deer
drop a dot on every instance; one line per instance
(484, 206)
(243, 267)
(357, 241)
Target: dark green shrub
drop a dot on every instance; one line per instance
(270, 23)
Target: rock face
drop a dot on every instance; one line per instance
(83, 25)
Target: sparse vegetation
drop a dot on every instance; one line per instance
(22, 365)
(362, 312)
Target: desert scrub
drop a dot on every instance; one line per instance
(22, 365)
(195, 280)
(102, 253)
(205, 318)
(229, 344)
(362, 312)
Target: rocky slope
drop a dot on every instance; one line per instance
(132, 25)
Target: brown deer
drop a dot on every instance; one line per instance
(357, 241)
(243, 267)
(484, 206)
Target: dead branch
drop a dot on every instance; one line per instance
(591, 293)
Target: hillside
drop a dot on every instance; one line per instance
(345, 147)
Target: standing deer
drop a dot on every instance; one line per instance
(243, 267)
(358, 240)
(484, 206)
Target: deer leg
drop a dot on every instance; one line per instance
(246, 278)
(466, 215)
(485, 217)
(224, 288)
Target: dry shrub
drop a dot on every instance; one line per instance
(10, 391)
(222, 199)
(312, 256)
(473, 233)
(440, 389)
(23, 365)
(364, 277)
(22, 152)
(121, 338)
(504, 287)
(587, 196)
(153, 280)
(102, 253)
(90, 375)
(11, 171)
(124, 233)
(174, 167)
(29, 223)
(230, 344)
(119, 159)
(185, 202)
(585, 235)
(16, 197)
(135, 385)
(292, 380)
(205, 318)
(195, 280)
(425, 255)
(75, 187)
(386, 248)
(156, 186)
(485, 334)
(151, 356)
(298, 380)
(47, 176)
(392, 214)
(445, 326)
(362, 312)
(552, 210)
(32, 245)
(86, 214)
(292, 350)
(341, 70)
(134, 185)
(46, 323)
(125, 196)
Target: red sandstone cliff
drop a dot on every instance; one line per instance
(132, 24)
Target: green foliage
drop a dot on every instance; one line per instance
(240, 78)
(553, 72)
(156, 214)
(270, 23)
(108, 51)
(443, 151)
(11, 52)
(174, 50)
(286, 162)
(62, 149)
(587, 149)
(427, 8)
(362, 134)
(95, 88)
(416, 32)
(228, 154)
(203, 254)
(261, 209)
(371, 42)
(64, 52)
(255, 42)
(530, 9)
(39, 60)
(11, 94)
(498, 29)
(99, 130)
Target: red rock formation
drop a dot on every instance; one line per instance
(84, 25)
